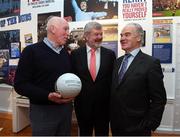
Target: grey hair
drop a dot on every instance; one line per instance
(91, 25)
(139, 30)
(47, 21)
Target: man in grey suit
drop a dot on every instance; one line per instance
(138, 95)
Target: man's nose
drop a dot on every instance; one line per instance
(100, 36)
(122, 37)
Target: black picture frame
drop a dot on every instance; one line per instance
(144, 39)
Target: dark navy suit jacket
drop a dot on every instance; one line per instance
(137, 103)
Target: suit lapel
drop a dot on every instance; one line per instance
(85, 63)
(117, 71)
(102, 58)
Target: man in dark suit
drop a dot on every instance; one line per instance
(138, 95)
(92, 104)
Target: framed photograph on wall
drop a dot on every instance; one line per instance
(15, 50)
(76, 39)
(4, 64)
(83, 10)
(144, 39)
(9, 8)
(162, 51)
(110, 37)
(11, 75)
(28, 39)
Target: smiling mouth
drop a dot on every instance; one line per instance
(123, 43)
(98, 40)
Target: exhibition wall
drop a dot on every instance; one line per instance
(22, 23)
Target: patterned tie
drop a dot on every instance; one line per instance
(93, 64)
(123, 67)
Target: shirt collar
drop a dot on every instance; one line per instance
(89, 48)
(135, 52)
(51, 44)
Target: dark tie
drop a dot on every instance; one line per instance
(123, 67)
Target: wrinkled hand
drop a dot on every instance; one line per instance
(57, 98)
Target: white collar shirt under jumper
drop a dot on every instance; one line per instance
(51, 45)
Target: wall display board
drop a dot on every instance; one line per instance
(162, 8)
(28, 40)
(31, 16)
(8, 37)
(110, 37)
(23, 22)
(137, 11)
(163, 52)
(9, 48)
(162, 30)
(4, 57)
(15, 50)
(77, 10)
(9, 8)
(162, 48)
(41, 6)
(22, 15)
(76, 39)
(162, 40)
(134, 10)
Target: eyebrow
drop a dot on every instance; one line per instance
(126, 33)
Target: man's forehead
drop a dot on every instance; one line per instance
(83, 2)
(96, 30)
(128, 29)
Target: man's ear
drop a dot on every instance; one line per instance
(52, 29)
(85, 37)
(139, 38)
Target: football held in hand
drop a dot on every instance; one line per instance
(69, 85)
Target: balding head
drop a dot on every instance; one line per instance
(57, 30)
(54, 21)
